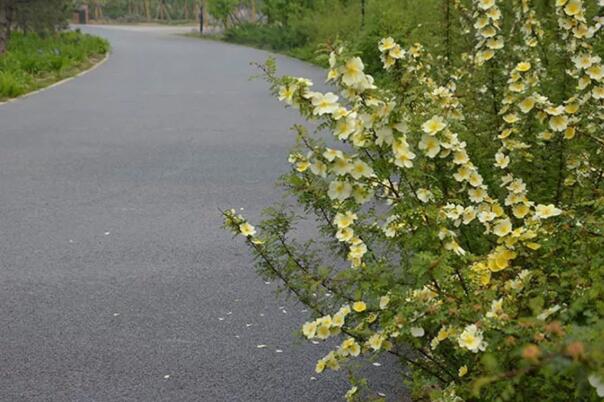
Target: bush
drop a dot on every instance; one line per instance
(460, 222)
(33, 60)
(266, 36)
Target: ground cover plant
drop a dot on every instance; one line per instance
(461, 214)
(33, 61)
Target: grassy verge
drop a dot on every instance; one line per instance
(33, 62)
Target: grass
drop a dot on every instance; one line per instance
(33, 62)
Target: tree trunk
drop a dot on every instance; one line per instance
(253, 16)
(4, 26)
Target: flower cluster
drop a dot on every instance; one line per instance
(468, 242)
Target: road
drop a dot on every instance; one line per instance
(117, 282)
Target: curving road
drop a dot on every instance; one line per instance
(116, 280)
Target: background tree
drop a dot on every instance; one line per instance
(40, 16)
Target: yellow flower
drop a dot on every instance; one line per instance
(502, 228)
(345, 234)
(302, 166)
(463, 370)
(384, 300)
(527, 104)
(345, 220)
(471, 338)
(495, 43)
(396, 53)
(375, 341)
(434, 125)
(359, 306)
(319, 168)
(573, 7)
(523, 67)
(331, 154)
(477, 194)
(547, 211)
(598, 93)
(501, 160)
(488, 32)
(486, 4)
(350, 347)
(386, 44)
(339, 190)
(360, 169)
(516, 87)
(247, 230)
(320, 367)
(511, 118)
(424, 195)
(309, 329)
(460, 157)
(325, 103)
(520, 210)
(571, 108)
(500, 259)
(339, 319)
(286, 93)
(341, 166)
(569, 133)
(323, 331)
(430, 145)
(583, 61)
(443, 334)
(595, 72)
(352, 72)
(475, 179)
(558, 123)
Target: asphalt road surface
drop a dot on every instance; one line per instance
(117, 282)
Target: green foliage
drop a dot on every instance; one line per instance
(272, 37)
(458, 199)
(222, 9)
(33, 61)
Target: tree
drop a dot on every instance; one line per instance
(40, 16)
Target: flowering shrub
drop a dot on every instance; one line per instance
(462, 212)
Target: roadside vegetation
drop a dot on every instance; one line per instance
(456, 179)
(35, 48)
(33, 61)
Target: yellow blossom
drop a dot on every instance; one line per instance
(247, 230)
(434, 125)
(502, 228)
(339, 190)
(359, 306)
(463, 370)
(352, 72)
(430, 145)
(527, 104)
(523, 66)
(547, 211)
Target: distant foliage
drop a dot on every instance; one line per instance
(460, 215)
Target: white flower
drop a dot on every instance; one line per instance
(339, 190)
(352, 72)
(325, 103)
(247, 229)
(434, 125)
(547, 211)
(417, 332)
(594, 380)
(547, 312)
(471, 338)
(424, 195)
(430, 145)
